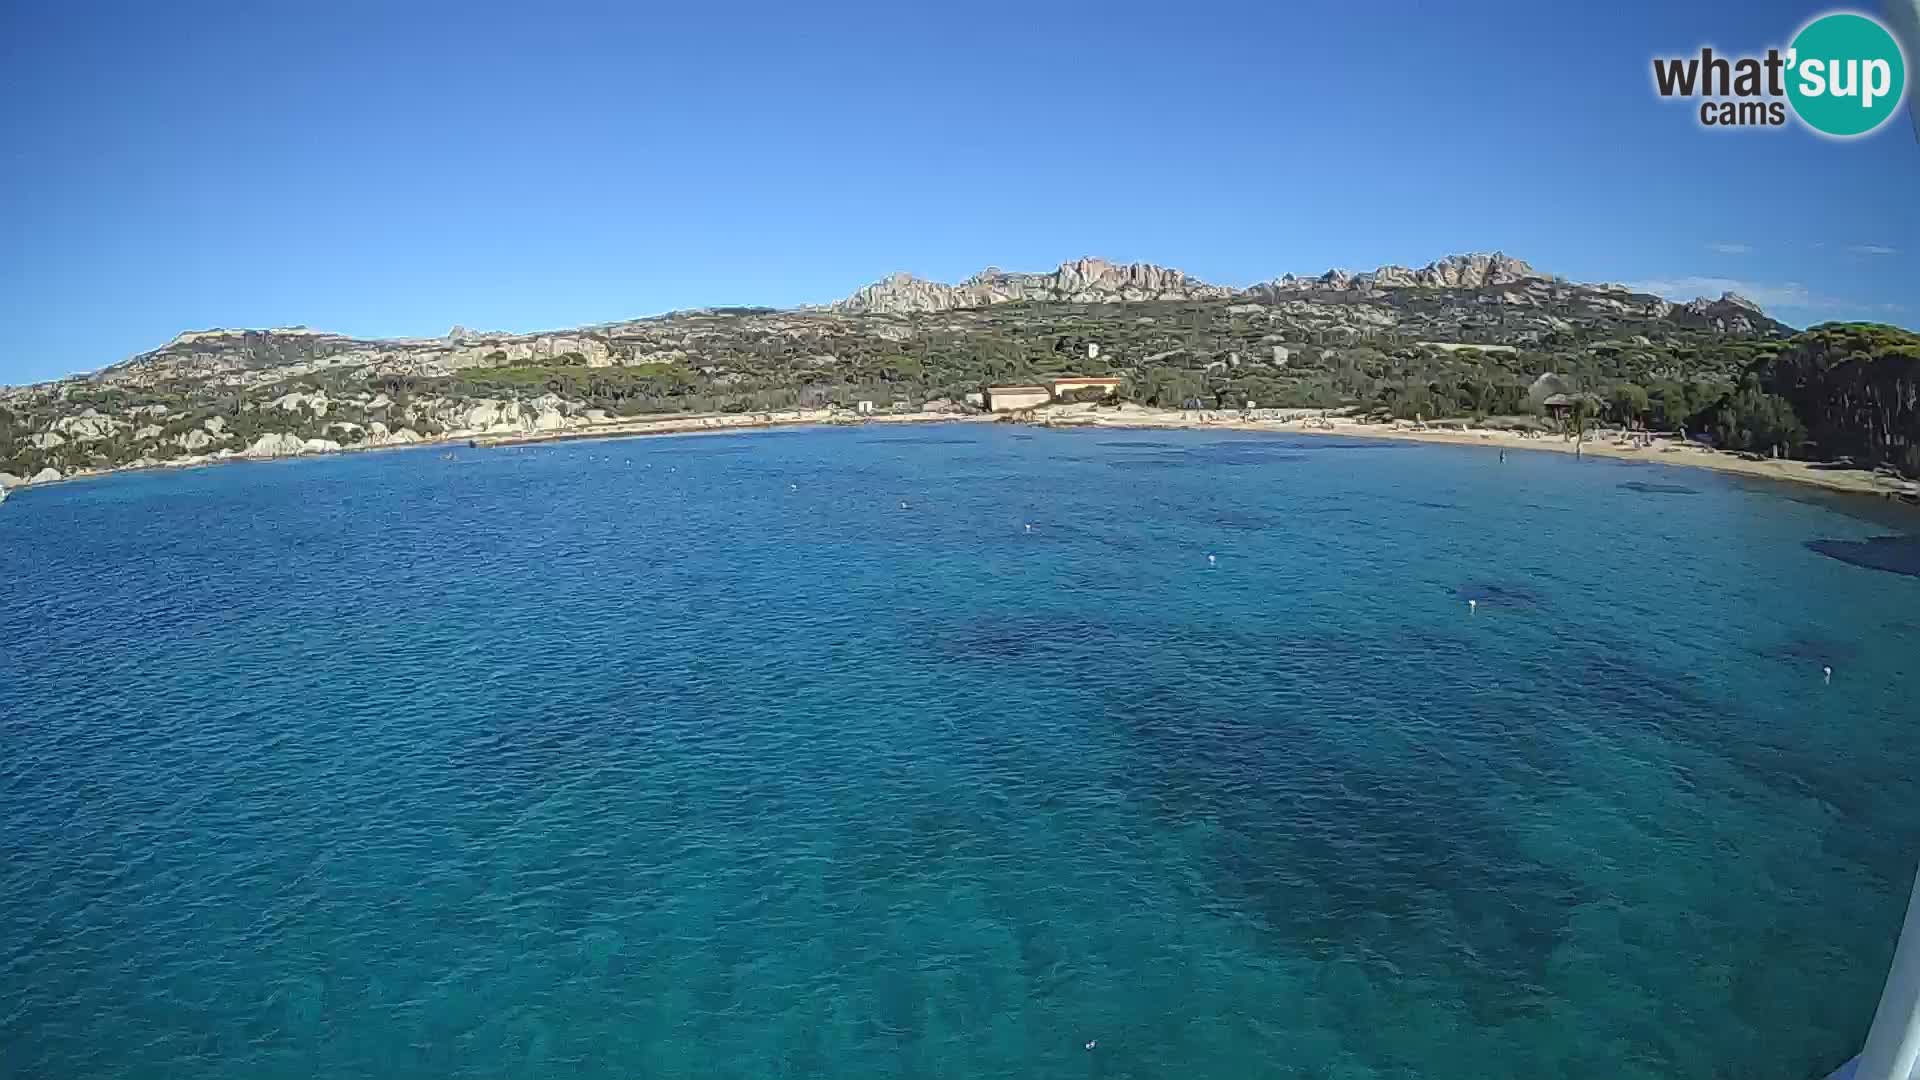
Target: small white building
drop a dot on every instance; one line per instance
(1015, 398)
(863, 407)
(1026, 396)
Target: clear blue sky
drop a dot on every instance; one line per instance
(396, 168)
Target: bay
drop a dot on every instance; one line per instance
(946, 751)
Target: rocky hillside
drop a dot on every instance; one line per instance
(249, 357)
(1465, 334)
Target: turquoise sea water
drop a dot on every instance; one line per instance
(704, 757)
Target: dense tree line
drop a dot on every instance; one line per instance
(1852, 388)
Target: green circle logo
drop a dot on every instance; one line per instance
(1846, 75)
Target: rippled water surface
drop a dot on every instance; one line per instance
(705, 757)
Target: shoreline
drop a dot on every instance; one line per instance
(662, 427)
(1662, 451)
(692, 425)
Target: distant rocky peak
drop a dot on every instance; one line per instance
(1498, 266)
(190, 337)
(1336, 279)
(1085, 280)
(1731, 313)
(220, 336)
(1702, 305)
(1474, 270)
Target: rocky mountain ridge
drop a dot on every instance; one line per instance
(1475, 270)
(1096, 281)
(248, 356)
(1505, 279)
(1082, 281)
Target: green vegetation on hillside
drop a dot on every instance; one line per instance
(1838, 389)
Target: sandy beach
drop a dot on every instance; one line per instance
(1661, 451)
(694, 425)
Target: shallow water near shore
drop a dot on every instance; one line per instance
(705, 757)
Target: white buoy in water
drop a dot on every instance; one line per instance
(1473, 607)
(1029, 528)
(1826, 672)
(1211, 561)
(1091, 1043)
